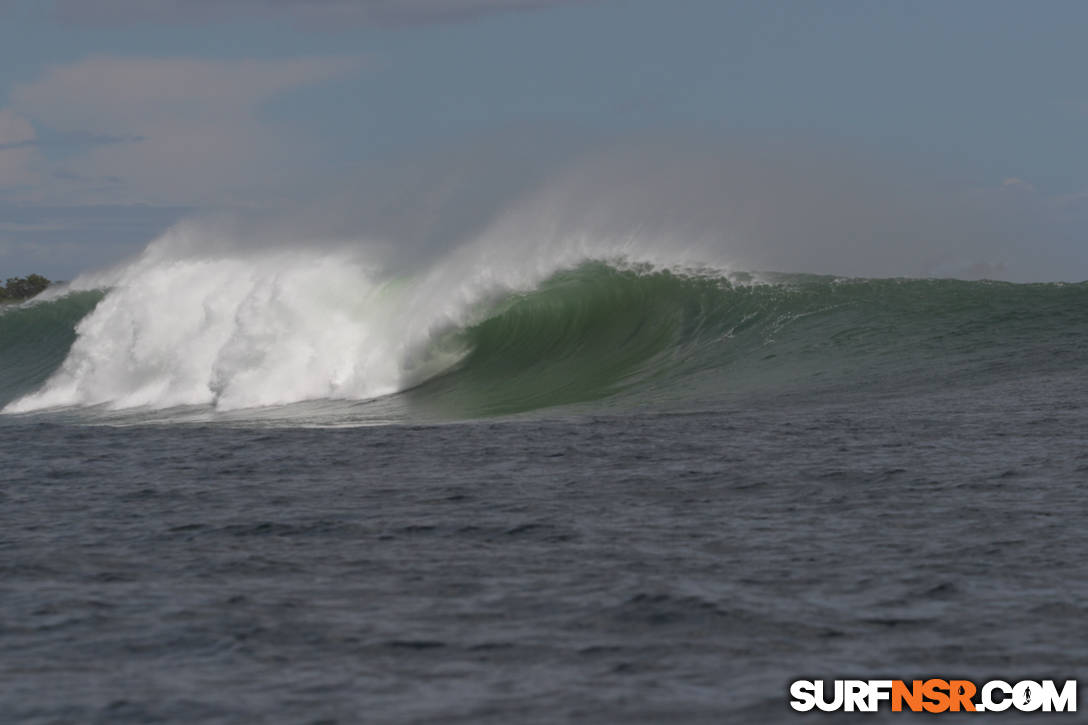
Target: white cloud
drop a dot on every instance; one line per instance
(1016, 183)
(333, 12)
(124, 95)
(191, 128)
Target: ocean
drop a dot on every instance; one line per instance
(285, 488)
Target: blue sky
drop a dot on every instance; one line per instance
(119, 117)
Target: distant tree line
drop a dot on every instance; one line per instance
(21, 288)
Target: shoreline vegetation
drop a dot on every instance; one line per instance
(18, 289)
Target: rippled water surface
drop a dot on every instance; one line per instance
(593, 567)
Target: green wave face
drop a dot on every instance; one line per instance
(585, 334)
(35, 338)
(641, 337)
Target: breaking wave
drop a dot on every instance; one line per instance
(466, 338)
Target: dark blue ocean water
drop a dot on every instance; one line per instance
(615, 566)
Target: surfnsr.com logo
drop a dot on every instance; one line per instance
(933, 695)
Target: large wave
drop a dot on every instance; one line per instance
(196, 322)
(486, 331)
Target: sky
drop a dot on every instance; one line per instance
(833, 136)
